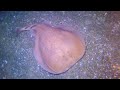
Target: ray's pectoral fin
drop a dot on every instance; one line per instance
(37, 54)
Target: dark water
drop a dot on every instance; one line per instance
(101, 31)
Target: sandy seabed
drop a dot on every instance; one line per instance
(100, 29)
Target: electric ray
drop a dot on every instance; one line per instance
(56, 49)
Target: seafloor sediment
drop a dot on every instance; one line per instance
(101, 31)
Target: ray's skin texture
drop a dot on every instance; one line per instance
(56, 49)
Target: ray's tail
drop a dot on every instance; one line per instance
(26, 28)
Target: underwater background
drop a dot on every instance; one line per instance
(100, 29)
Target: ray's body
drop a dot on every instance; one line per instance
(56, 49)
